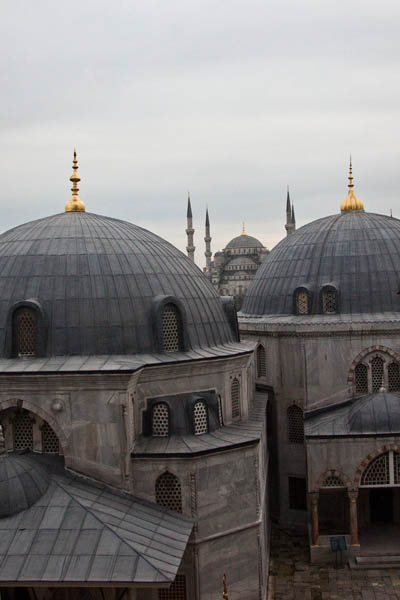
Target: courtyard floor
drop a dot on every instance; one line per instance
(291, 577)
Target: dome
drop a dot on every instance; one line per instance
(356, 252)
(376, 413)
(244, 241)
(95, 281)
(22, 483)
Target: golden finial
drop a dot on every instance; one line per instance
(225, 593)
(243, 230)
(351, 202)
(75, 204)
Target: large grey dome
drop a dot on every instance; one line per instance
(22, 483)
(95, 280)
(244, 241)
(356, 252)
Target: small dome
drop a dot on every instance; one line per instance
(244, 241)
(376, 413)
(22, 483)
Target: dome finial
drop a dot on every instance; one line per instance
(243, 230)
(351, 202)
(75, 204)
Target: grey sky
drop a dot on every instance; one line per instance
(233, 100)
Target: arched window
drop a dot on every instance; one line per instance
(50, 443)
(361, 378)
(23, 431)
(24, 332)
(177, 591)
(329, 301)
(332, 481)
(235, 399)
(295, 425)
(378, 471)
(200, 418)
(261, 362)
(394, 377)
(377, 373)
(168, 492)
(301, 298)
(171, 329)
(160, 420)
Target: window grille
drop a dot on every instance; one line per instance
(177, 591)
(295, 425)
(297, 493)
(396, 468)
(361, 378)
(220, 416)
(377, 373)
(160, 420)
(302, 302)
(171, 329)
(332, 481)
(50, 443)
(394, 377)
(329, 302)
(24, 332)
(377, 472)
(200, 418)
(168, 492)
(235, 399)
(261, 362)
(23, 431)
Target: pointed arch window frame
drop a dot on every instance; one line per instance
(41, 329)
(307, 291)
(159, 304)
(329, 287)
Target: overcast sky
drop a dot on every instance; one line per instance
(232, 100)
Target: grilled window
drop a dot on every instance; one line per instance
(177, 591)
(301, 302)
(171, 329)
(23, 431)
(295, 425)
(297, 493)
(377, 373)
(361, 378)
(235, 399)
(200, 418)
(329, 301)
(261, 362)
(50, 443)
(168, 492)
(160, 420)
(220, 416)
(394, 377)
(332, 481)
(377, 472)
(24, 332)
(396, 468)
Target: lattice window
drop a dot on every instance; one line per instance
(160, 420)
(329, 301)
(396, 468)
(220, 415)
(377, 373)
(200, 418)
(168, 492)
(295, 425)
(23, 431)
(302, 302)
(394, 377)
(377, 472)
(50, 443)
(332, 481)
(24, 332)
(171, 334)
(177, 591)
(361, 378)
(261, 362)
(235, 399)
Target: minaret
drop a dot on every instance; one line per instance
(75, 204)
(190, 231)
(207, 240)
(290, 222)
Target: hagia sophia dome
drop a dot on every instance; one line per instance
(96, 283)
(349, 261)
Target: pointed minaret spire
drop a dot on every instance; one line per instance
(351, 202)
(75, 204)
(290, 222)
(207, 240)
(190, 248)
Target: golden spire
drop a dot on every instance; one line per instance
(243, 230)
(225, 593)
(351, 202)
(75, 204)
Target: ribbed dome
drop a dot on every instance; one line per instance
(22, 483)
(244, 241)
(96, 278)
(356, 252)
(376, 413)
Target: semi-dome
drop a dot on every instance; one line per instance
(22, 483)
(356, 254)
(96, 283)
(244, 241)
